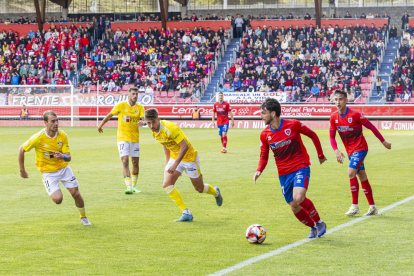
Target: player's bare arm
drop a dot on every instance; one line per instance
(63, 156)
(387, 144)
(339, 156)
(183, 150)
(167, 154)
(256, 176)
(213, 117)
(23, 172)
(104, 121)
(232, 118)
(142, 122)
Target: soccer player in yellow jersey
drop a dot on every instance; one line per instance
(52, 160)
(180, 156)
(130, 117)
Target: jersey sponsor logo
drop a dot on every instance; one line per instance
(350, 120)
(288, 131)
(344, 128)
(49, 154)
(336, 121)
(46, 145)
(59, 144)
(136, 111)
(278, 145)
(129, 119)
(269, 137)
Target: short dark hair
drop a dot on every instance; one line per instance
(133, 89)
(272, 105)
(221, 93)
(46, 115)
(151, 113)
(340, 92)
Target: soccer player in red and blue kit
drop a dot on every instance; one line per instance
(223, 111)
(349, 125)
(282, 136)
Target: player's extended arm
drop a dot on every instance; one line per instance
(315, 139)
(377, 134)
(232, 119)
(104, 121)
(142, 122)
(23, 172)
(213, 117)
(264, 157)
(183, 150)
(167, 154)
(63, 156)
(339, 155)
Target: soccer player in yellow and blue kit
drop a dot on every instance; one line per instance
(52, 160)
(130, 116)
(180, 156)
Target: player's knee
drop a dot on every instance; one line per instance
(351, 173)
(76, 194)
(57, 200)
(199, 189)
(295, 208)
(298, 198)
(125, 163)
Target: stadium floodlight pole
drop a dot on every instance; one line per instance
(318, 12)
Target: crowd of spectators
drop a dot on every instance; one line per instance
(307, 61)
(402, 72)
(152, 59)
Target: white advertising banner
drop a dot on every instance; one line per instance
(252, 97)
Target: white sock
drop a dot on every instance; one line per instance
(372, 206)
(354, 205)
(187, 212)
(320, 221)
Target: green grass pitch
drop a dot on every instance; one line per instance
(136, 235)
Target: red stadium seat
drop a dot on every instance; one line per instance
(170, 94)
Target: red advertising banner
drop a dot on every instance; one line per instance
(314, 124)
(239, 124)
(24, 29)
(252, 111)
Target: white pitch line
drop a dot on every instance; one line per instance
(300, 242)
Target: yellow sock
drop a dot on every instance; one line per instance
(209, 190)
(82, 212)
(176, 197)
(127, 180)
(134, 179)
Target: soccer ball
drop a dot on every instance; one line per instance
(255, 233)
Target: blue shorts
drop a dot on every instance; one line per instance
(299, 178)
(356, 160)
(223, 128)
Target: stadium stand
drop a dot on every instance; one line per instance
(171, 61)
